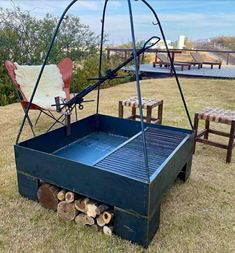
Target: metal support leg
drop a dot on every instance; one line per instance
(56, 121)
(38, 118)
(186, 171)
(136, 228)
(27, 185)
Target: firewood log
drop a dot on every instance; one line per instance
(108, 230)
(100, 221)
(92, 209)
(47, 196)
(66, 211)
(84, 219)
(61, 195)
(107, 216)
(81, 204)
(70, 197)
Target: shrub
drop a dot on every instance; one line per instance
(89, 69)
(7, 91)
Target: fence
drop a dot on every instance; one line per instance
(225, 54)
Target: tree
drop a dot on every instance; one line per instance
(227, 42)
(25, 39)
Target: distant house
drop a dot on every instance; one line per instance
(161, 44)
(181, 40)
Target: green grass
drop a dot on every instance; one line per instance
(197, 216)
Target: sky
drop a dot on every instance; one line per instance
(196, 19)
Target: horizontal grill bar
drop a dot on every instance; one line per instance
(129, 159)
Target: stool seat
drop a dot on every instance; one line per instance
(147, 103)
(217, 115)
(134, 102)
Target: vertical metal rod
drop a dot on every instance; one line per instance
(171, 61)
(138, 90)
(43, 66)
(101, 51)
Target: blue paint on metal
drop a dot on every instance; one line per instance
(120, 168)
(145, 151)
(90, 148)
(128, 160)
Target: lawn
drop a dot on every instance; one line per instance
(196, 216)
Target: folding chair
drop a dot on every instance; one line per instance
(43, 103)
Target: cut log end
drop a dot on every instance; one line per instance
(66, 211)
(47, 196)
(69, 197)
(92, 209)
(84, 219)
(61, 195)
(108, 230)
(107, 217)
(81, 204)
(100, 221)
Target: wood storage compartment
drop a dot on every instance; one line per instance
(101, 162)
(73, 207)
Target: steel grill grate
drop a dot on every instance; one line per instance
(129, 159)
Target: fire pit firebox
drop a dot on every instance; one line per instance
(103, 159)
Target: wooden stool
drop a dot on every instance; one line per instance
(147, 103)
(219, 116)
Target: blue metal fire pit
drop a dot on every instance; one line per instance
(103, 159)
(126, 164)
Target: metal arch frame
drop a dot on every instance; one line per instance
(100, 69)
(167, 49)
(171, 61)
(101, 50)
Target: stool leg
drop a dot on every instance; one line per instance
(149, 114)
(120, 109)
(133, 113)
(196, 120)
(230, 143)
(160, 111)
(207, 126)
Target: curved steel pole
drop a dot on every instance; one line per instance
(171, 61)
(101, 51)
(43, 66)
(138, 91)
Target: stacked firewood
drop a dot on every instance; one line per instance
(73, 207)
